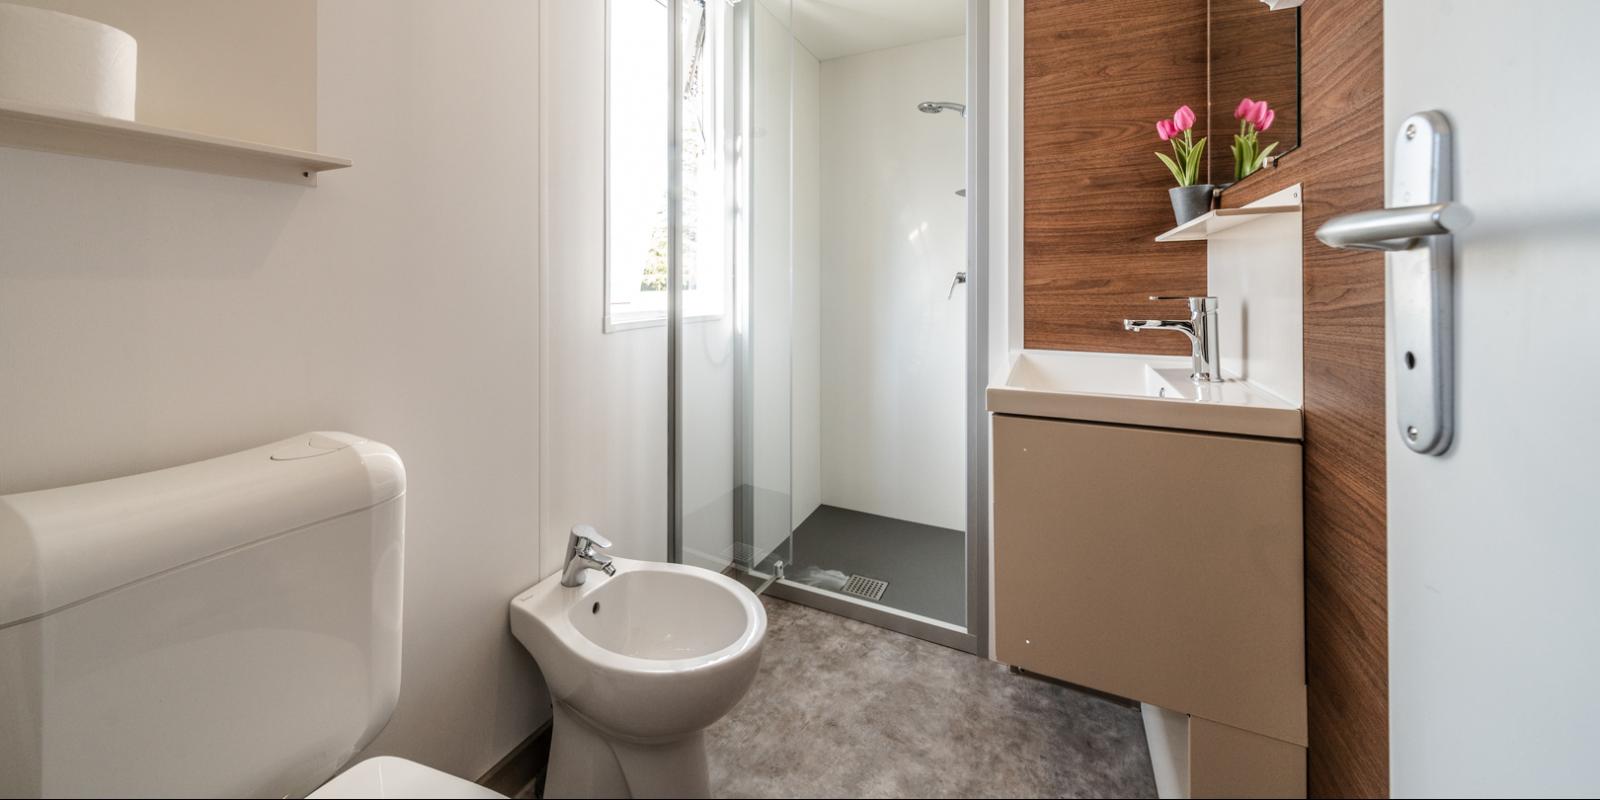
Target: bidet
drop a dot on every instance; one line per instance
(639, 662)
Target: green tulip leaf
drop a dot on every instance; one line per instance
(1176, 173)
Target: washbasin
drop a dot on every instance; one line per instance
(1151, 391)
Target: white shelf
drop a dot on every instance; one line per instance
(54, 130)
(1212, 222)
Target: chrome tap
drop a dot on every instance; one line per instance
(583, 545)
(1200, 327)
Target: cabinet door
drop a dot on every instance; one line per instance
(1158, 565)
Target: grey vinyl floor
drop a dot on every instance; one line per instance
(844, 709)
(924, 565)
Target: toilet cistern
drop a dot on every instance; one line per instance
(583, 546)
(1200, 327)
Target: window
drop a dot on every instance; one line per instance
(637, 107)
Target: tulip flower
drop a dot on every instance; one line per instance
(1255, 117)
(1183, 118)
(1185, 160)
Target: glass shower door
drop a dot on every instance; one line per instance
(729, 290)
(765, 429)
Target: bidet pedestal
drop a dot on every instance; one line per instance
(587, 762)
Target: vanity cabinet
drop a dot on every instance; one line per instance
(1163, 566)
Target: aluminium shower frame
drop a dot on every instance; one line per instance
(974, 637)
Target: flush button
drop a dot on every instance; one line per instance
(315, 444)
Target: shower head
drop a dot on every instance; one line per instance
(935, 106)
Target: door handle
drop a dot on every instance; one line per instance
(1393, 229)
(1417, 234)
(961, 277)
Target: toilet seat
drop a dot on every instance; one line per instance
(387, 776)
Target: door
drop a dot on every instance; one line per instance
(1494, 546)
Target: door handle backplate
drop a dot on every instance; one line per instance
(1416, 233)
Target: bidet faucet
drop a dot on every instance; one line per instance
(1200, 327)
(583, 546)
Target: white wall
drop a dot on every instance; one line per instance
(604, 400)
(893, 237)
(151, 317)
(1254, 271)
(1005, 185)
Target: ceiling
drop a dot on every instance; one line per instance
(835, 28)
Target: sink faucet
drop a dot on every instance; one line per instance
(1200, 327)
(583, 545)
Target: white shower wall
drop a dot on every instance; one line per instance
(890, 348)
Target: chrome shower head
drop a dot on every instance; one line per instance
(936, 106)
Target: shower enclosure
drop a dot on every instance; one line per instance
(825, 305)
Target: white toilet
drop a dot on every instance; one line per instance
(229, 628)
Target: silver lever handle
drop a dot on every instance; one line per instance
(1416, 235)
(585, 535)
(1393, 229)
(961, 277)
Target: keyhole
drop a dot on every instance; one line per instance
(1411, 360)
(595, 609)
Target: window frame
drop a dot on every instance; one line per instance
(612, 321)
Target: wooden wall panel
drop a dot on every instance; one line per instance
(1097, 75)
(1340, 164)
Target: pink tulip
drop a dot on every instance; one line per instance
(1183, 119)
(1246, 107)
(1258, 113)
(1165, 130)
(1266, 120)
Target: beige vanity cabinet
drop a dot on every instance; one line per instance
(1164, 566)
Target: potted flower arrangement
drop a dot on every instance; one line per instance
(1255, 117)
(1189, 199)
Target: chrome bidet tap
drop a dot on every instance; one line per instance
(583, 554)
(1200, 327)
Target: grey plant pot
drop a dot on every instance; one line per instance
(1189, 202)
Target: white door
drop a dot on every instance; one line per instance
(1494, 547)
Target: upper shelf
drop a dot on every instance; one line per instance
(55, 130)
(1212, 222)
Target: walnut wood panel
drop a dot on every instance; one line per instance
(1340, 165)
(1097, 75)
(1254, 53)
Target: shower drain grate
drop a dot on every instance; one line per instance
(862, 586)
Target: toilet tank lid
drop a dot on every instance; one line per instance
(61, 546)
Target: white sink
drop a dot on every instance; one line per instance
(1151, 391)
(638, 664)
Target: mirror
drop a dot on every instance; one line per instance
(1254, 53)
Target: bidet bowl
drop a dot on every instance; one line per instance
(655, 652)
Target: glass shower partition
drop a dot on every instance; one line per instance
(765, 430)
(729, 278)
